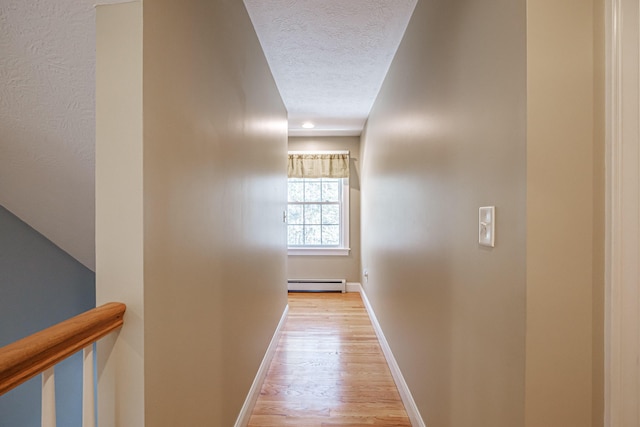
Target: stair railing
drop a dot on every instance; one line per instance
(40, 352)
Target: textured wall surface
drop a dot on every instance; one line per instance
(47, 119)
(329, 57)
(40, 285)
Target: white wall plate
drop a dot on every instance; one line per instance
(486, 226)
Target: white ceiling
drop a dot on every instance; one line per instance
(328, 58)
(47, 116)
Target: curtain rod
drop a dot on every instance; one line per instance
(320, 152)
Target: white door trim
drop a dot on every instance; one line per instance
(622, 287)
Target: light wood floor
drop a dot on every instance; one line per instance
(328, 369)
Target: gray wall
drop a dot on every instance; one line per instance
(40, 285)
(333, 267)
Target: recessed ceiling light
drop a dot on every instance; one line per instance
(308, 125)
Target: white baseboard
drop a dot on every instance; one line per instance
(254, 391)
(405, 394)
(403, 389)
(353, 287)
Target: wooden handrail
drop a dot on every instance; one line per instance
(30, 356)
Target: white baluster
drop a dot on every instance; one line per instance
(88, 389)
(48, 399)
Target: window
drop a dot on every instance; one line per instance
(318, 216)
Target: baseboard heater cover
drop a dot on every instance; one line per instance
(317, 285)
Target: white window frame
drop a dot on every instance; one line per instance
(344, 248)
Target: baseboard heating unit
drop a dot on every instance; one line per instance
(317, 285)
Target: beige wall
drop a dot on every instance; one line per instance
(599, 140)
(494, 104)
(119, 210)
(333, 267)
(447, 135)
(215, 186)
(564, 213)
(214, 171)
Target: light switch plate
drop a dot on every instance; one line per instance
(486, 226)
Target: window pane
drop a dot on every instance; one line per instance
(295, 215)
(330, 214)
(295, 235)
(312, 214)
(312, 188)
(296, 191)
(312, 235)
(330, 191)
(331, 235)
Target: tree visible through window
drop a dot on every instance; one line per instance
(315, 212)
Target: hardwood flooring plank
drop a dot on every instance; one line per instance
(328, 369)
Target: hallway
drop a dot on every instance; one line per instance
(329, 369)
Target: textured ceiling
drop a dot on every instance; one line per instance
(329, 57)
(47, 116)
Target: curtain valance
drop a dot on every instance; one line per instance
(318, 165)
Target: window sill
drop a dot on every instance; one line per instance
(319, 251)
